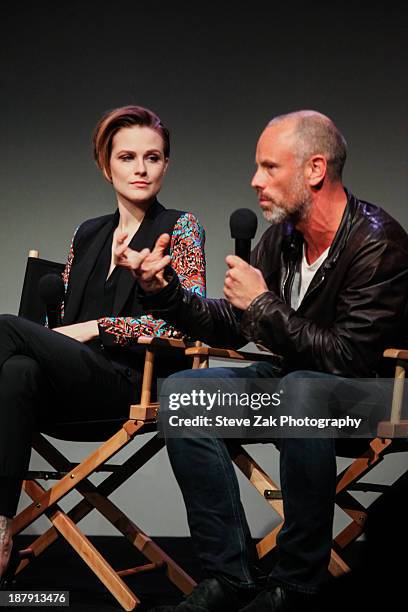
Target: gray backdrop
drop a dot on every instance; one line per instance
(215, 76)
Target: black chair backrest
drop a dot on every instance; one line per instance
(32, 306)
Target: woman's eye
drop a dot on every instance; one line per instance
(153, 158)
(126, 157)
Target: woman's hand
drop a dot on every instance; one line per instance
(146, 266)
(83, 332)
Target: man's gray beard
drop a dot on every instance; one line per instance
(278, 214)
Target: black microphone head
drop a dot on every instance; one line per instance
(51, 288)
(243, 224)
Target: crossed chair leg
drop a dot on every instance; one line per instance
(95, 497)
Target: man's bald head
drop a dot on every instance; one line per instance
(316, 134)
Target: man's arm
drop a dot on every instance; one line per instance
(214, 321)
(369, 313)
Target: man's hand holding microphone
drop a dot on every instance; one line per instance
(242, 284)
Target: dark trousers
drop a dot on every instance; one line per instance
(47, 378)
(216, 518)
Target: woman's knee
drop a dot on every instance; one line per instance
(20, 371)
(8, 319)
(21, 394)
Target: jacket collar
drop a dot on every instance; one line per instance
(80, 273)
(292, 241)
(144, 237)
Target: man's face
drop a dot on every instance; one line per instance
(279, 179)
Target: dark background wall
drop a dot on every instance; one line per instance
(215, 75)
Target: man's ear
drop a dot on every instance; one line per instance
(316, 170)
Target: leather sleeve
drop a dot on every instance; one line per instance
(214, 321)
(369, 311)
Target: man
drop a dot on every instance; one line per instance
(327, 290)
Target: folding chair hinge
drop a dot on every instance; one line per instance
(144, 413)
(272, 494)
(44, 475)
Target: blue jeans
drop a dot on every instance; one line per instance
(218, 527)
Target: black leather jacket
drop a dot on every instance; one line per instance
(354, 308)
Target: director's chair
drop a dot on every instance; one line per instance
(68, 476)
(366, 455)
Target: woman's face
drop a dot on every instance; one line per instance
(137, 164)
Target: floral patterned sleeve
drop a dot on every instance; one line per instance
(188, 260)
(67, 270)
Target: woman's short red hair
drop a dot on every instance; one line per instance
(125, 116)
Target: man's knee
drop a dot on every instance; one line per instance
(306, 393)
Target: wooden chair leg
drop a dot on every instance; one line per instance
(137, 537)
(87, 551)
(262, 483)
(362, 465)
(110, 484)
(70, 481)
(258, 478)
(268, 543)
(337, 566)
(93, 498)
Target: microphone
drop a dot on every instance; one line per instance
(243, 224)
(51, 290)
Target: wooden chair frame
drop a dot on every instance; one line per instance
(71, 476)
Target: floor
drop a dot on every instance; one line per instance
(59, 569)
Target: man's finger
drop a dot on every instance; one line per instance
(227, 282)
(233, 260)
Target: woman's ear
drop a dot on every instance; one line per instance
(107, 174)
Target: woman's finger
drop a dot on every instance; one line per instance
(121, 237)
(155, 268)
(161, 245)
(136, 258)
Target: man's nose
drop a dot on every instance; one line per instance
(256, 182)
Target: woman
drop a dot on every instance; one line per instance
(77, 372)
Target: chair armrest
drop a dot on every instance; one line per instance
(393, 353)
(396, 427)
(221, 353)
(164, 343)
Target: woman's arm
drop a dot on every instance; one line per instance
(188, 262)
(83, 332)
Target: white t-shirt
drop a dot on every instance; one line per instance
(303, 277)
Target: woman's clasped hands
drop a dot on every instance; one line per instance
(145, 265)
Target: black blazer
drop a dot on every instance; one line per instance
(87, 244)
